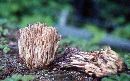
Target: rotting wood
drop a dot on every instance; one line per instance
(100, 63)
(38, 44)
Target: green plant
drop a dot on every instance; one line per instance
(3, 45)
(109, 10)
(3, 36)
(120, 77)
(19, 77)
(123, 32)
(127, 60)
(24, 12)
(36, 18)
(98, 33)
(3, 31)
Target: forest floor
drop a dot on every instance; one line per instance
(11, 64)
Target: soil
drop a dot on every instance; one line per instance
(12, 64)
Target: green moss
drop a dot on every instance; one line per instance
(19, 77)
(120, 77)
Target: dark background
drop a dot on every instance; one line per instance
(110, 15)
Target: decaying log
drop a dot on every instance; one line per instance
(99, 63)
(37, 44)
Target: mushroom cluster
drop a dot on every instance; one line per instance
(99, 63)
(38, 44)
